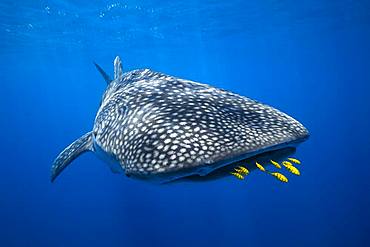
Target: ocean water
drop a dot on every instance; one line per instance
(310, 59)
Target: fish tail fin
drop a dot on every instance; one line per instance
(79, 146)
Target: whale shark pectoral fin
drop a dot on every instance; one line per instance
(118, 70)
(79, 146)
(103, 73)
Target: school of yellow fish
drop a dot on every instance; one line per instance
(240, 172)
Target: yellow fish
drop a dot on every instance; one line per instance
(238, 170)
(276, 164)
(296, 161)
(260, 167)
(243, 170)
(279, 176)
(286, 163)
(293, 170)
(237, 175)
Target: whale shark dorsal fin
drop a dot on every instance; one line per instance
(103, 73)
(79, 146)
(118, 70)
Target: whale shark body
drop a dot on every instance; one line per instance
(154, 126)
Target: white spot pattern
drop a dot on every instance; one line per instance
(153, 123)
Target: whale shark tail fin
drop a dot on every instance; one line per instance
(118, 70)
(79, 146)
(103, 73)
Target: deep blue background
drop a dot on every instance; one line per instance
(310, 59)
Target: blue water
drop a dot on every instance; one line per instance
(310, 59)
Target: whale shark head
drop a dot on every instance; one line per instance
(155, 126)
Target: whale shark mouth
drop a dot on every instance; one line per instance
(249, 163)
(222, 169)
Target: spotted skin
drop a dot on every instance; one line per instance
(156, 125)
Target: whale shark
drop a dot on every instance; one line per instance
(154, 126)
